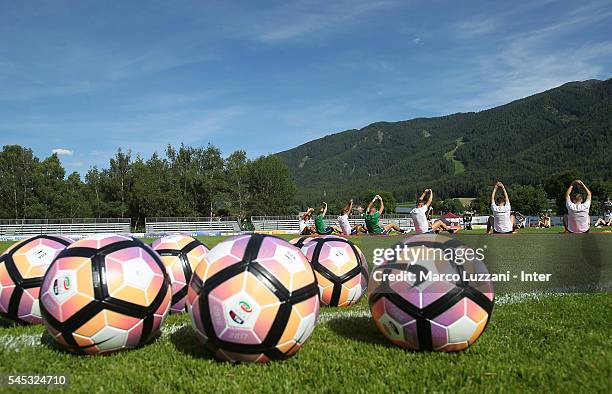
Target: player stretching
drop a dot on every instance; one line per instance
(320, 226)
(372, 217)
(345, 225)
(577, 219)
(305, 229)
(419, 216)
(502, 221)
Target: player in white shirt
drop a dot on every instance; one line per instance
(345, 225)
(419, 216)
(577, 219)
(502, 221)
(305, 228)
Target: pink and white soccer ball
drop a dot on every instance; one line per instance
(435, 308)
(22, 267)
(340, 267)
(254, 298)
(181, 254)
(105, 293)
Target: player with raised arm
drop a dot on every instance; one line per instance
(502, 221)
(372, 216)
(345, 225)
(320, 226)
(577, 220)
(305, 229)
(419, 216)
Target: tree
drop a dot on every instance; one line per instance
(75, 201)
(528, 200)
(119, 174)
(93, 180)
(49, 187)
(270, 187)
(236, 167)
(449, 205)
(17, 173)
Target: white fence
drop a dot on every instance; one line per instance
(192, 224)
(10, 227)
(292, 223)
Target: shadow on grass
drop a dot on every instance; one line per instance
(5, 323)
(186, 341)
(48, 341)
(358, 328)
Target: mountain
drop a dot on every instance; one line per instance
(523, 142)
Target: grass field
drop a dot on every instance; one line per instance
(540, 338)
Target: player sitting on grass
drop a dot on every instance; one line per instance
(345, 225)
(321, 227)
(577, 219)
(305, 229)
(372, 216)
(607, 216)
(502, 221)
(419, 216)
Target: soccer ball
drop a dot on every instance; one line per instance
(423, 302)
(22, 267)
(254, 298)
(105, 293)
(340, 267)
(181, 255)
(298, 242)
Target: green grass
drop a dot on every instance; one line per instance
(552, 344)
(459, 168)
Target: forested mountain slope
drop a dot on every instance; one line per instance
(523, 142)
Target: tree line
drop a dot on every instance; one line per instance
(199, 181)
(183, 181)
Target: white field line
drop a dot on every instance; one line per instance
(15, 343)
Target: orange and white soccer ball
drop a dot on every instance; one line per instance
(180, 254)
(254, 298)
(105, 293)
(22, 267)
(341, 269)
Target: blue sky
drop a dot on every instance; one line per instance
(84, 78)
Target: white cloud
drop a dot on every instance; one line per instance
(62, 152)
(299, 19)
(417, 41)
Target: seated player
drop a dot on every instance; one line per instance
(544, 221)
(607, 216)
(577, 220)
(502, 221)
(372, 216)
(305, 229)
(343, 221)
(419, 216)
(320, 226)
(467, 220)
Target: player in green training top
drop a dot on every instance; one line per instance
(372, 216)
(322, 228)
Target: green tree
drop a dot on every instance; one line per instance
(236, 166)
(270, 187)
(17, 181)
(528, 200)
(75, 201)
(120, 182)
